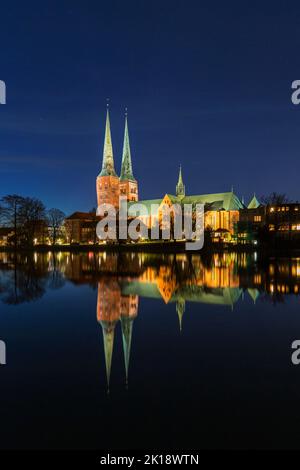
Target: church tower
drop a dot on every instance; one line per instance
(128, 183)
(107, 183)
(180, 188)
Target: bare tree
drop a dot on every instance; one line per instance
(55, 218)
(10, 214)
(275, 198)
(33, 219)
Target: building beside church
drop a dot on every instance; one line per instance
(270, 222)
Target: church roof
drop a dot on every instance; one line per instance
(217, 201)
(228, 201)
(254, 203)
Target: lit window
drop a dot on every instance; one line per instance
(272, 209)
(257, 218)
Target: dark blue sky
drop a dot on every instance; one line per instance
(207, 85)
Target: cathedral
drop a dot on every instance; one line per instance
(222, 210)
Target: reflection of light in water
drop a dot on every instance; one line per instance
(255, 256)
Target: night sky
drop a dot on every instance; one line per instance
(207, 85)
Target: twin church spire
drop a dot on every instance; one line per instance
(108, 167)
(109, 186)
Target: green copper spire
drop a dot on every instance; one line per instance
(126, 168)
(180, 188)
(108, 167)
(254, 203)
(127, 324)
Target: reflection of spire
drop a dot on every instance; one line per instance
(108, 340)
(254, 294)
(180, 308)
(127, 324)
(129, 311)
(108, 314)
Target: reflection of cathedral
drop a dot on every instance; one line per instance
(112, 306)
(121, 278)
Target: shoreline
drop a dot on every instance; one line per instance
(167, 247)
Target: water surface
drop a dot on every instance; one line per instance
(140, 351)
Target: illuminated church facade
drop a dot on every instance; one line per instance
(221, 209)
